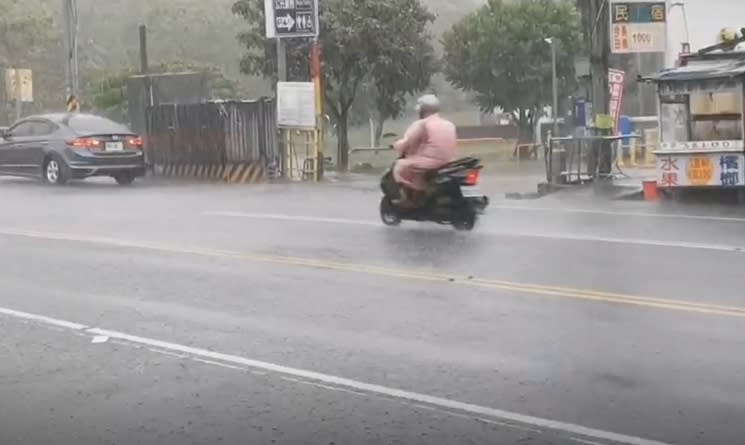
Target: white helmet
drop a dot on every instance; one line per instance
(428, 102)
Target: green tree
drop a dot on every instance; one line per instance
(28, 40)
(395, 78)
(499, 53)
(381, 44)
(109, 94)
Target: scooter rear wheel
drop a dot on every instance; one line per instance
(465, 222)
(388, 213)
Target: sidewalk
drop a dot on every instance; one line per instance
(520, 180)
(496, 180)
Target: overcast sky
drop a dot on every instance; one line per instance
(705, 19)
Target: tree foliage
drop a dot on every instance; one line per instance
(380, 45)
(109, 95)
(27, 40)
(25, 31)
(499, 53)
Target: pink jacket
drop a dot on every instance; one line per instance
(432, 138)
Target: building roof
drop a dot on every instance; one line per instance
(702, 70)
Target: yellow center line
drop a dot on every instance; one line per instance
(522, 288)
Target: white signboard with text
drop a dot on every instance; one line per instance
(26, 88)
(296, 104)
(638, 26)
(701, 170)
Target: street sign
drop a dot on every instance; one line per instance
(291, 18)
(638, 26)
(296, 104)
(26, 89)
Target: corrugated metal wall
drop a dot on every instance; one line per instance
(156, 89)
(213, 133)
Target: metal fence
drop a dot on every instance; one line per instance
(152, 90)
(213, 137)
(216, 132)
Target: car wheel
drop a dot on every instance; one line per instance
(55, 171)
(124, 178)
(388, 213)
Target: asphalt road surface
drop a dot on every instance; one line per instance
(287, 314)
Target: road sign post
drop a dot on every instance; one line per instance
(288, 19)
(291, 18)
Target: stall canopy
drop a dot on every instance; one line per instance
(703, 70)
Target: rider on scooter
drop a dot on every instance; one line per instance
(428, 144)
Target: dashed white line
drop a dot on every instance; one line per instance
(345, 383)
(619, 213)
(298, 218)
(504, 233)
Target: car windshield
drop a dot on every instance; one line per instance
(83, 124)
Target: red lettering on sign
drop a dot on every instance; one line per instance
(669, 164)
(669, 179)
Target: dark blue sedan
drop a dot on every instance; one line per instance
(61, 147)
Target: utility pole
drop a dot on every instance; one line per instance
(281, 60)
(554, 87)
(282, 144)
(149, 100)
(143, 50)
(596, 24)
(19, 99)
(70, 18)
(639, 86)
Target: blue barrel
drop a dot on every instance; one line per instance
(578, 112)
(625, 128)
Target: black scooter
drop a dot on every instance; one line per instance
(451, 198)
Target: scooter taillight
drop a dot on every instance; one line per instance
(472, 177)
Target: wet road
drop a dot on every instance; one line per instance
(288, 314)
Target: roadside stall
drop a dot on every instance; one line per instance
(701, 122)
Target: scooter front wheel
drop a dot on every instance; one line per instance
(388, 213)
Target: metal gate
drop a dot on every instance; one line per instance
(233, 141)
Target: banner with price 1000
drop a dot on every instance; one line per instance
(638, 26)
(637, 38)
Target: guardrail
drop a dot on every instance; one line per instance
(373, 150)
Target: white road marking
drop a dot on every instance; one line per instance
(501, 207)
(619, 213)
(345, 383)
(42, 319)
(632, 241)
(508, 425)
(222, 365)
(159, 351)
(100, 339)
(587, 442)
(275, 216)
(553, 236)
